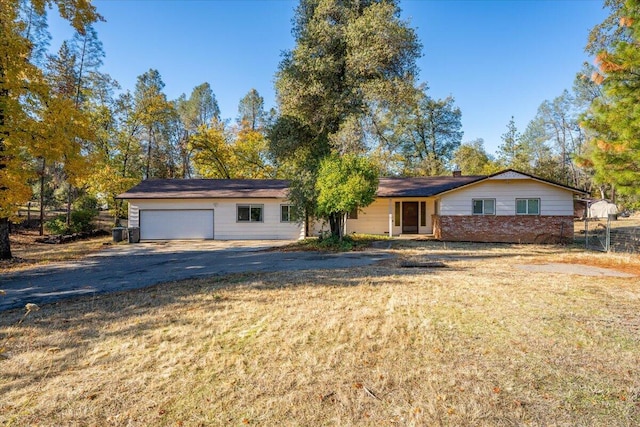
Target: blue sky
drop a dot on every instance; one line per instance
(496, 58)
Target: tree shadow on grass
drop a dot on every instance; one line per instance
(72, 326)
(66, 332)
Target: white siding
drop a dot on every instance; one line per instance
(225, 225)
(431, 209)
(553, 200)
(374, 219)
(134, 215)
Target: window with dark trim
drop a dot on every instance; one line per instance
(286, 213)
(250, 213)
(353, 214)
(484, 206)
(528, 206)
(397, 215)
(423, 214)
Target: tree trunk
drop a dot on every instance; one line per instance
(42, 199)
(613, 194)
(149, 149)
(69, 199)
(5, 245)
(307, 226)
(333, 225)
(336, 224)
(118, 213)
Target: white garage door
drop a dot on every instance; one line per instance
(176, 224)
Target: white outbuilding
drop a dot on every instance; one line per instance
(602, 209)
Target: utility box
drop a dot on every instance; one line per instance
(118, 234)
(134, 234)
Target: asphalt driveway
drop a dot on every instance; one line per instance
(125, 267)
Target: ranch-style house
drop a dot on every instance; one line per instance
(509, 206)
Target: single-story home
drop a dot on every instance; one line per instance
(508, 206)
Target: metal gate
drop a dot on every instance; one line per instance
(596, 234)
(607, 235)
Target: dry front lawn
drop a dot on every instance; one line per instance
(475, 343)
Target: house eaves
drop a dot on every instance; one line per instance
(208, 189)
(574, 190)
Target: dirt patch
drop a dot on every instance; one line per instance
(576, 269)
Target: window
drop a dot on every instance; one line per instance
(250, 213)
(353, 214)
(286, 213)
(484, 206)
(528, 206)
(423, 214)
(397, 216)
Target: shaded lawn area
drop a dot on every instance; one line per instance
(475, 343)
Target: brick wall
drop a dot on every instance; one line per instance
(506, 229)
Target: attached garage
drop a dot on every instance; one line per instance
(207, 209)
(194, 224)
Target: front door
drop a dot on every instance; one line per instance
(410, 217)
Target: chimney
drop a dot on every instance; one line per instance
(457, 173)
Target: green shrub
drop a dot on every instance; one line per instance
(57, 225)
(333, 243)
(81, 221)
(86, 203)
(328, 243)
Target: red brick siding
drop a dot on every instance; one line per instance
(506, 229)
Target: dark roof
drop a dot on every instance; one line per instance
(278, 188)
(423, 186)
(208, 188)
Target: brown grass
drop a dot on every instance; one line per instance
(27, 252)
(476, 343)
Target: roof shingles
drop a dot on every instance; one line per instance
(208, 189)
(422, 186)
(278, 188)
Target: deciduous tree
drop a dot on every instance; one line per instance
(211, 150)
(117, 156)
(23, 93)
(430, 132)
(345, 183)
(471, 158)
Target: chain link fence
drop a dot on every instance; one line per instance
(609, 235)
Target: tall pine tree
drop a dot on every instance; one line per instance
(349, 56)
(615, 118)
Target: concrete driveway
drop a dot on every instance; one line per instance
(125, 267)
